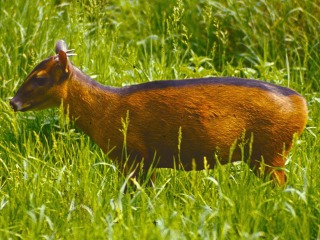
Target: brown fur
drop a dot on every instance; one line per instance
(211, 117)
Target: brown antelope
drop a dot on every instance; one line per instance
(179, 123)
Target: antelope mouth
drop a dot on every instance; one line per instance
(18, 106)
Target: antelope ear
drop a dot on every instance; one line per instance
(63, 60)
(61, 46)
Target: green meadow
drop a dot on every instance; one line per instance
(55, 183)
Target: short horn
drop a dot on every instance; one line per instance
(61, 46)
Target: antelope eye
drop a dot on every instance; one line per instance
(40, 81)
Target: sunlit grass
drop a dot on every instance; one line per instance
(55, 183)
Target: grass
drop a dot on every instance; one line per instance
(57, 184)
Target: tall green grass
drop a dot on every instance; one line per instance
(57, 184)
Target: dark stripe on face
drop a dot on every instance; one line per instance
(229, 81)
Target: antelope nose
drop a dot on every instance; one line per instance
(14, 105)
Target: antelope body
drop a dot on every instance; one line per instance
(177, 123)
